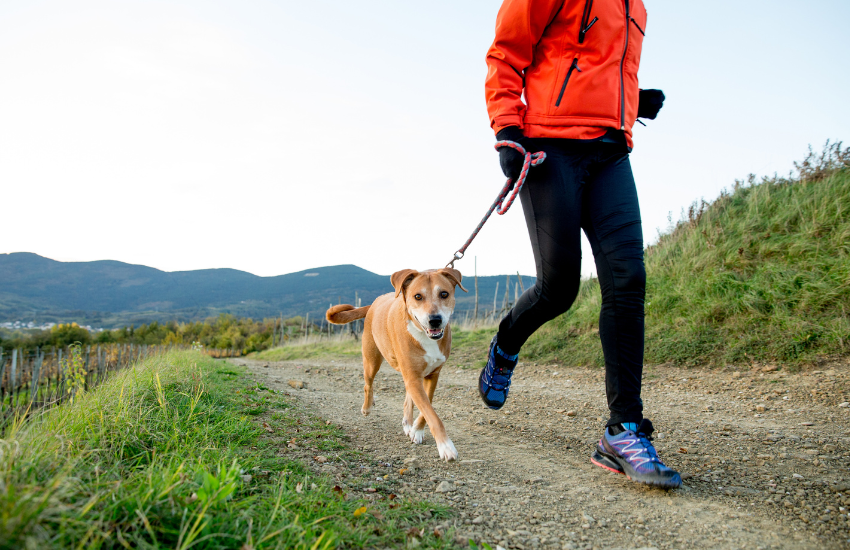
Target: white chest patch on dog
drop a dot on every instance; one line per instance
(433, 356)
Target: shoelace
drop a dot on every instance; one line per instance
(648, 447)
(490, 378)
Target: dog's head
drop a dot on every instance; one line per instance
(429, 297)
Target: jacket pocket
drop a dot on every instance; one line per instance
(585, 24)
(573, 67)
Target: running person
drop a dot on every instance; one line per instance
(576, 62)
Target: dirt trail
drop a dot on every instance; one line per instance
(765, 454)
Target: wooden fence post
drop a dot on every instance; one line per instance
(36, 374)
(2, 371)
(12, 369)
(475, 315)
(59, 375)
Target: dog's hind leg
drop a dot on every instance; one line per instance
(416, 390)
(418, 428)
(372, 360)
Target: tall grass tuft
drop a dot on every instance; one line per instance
(762, 274)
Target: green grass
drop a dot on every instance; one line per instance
(322, 348)
(155, 458)
(762, 274)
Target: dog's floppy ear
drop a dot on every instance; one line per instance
(454, 276)
(400, 279)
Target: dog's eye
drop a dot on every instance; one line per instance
(444, 295)
(418, 296)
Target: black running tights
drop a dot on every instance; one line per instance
(586, 186)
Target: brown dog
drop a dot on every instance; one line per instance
(410, 329)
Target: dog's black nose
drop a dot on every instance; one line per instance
(435, 321)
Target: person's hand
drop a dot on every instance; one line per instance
(510, 159)
(649, 103)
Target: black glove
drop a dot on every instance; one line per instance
(649, 103)
(510, 159)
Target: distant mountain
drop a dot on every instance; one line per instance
(109, 293)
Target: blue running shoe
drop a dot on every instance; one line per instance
(495, 379)
(630, 452)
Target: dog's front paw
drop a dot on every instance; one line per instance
(406, 426)
(447, 450)
(417, 436)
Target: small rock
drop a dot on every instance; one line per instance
(266, 366)
(844, 405)
(297, 384)
(571, 413)
(807, 423)
(760, 408)
(410, 460)
(796, 476)
(445, 487)
(478, 521)
(736, 374)
(320, 459)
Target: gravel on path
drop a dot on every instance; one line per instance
(764, 454)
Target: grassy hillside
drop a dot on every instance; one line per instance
(760, 274)
(184, 451)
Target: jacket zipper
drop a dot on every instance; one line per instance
(585, 29)
(585, 26)
(622, 61)
(588, 5)
(638, 26)
(573, 67)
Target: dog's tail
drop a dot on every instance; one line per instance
(342, 314)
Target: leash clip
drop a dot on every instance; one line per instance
(458, 256)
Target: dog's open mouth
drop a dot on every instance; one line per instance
(435, 333)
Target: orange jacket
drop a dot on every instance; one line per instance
(577, 62)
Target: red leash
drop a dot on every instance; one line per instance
(531, 159)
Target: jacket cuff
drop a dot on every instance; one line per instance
(511, 133)
(503, 121)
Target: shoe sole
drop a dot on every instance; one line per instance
(598, 459)
(612, 465)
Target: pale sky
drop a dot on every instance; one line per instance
(273, 137)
